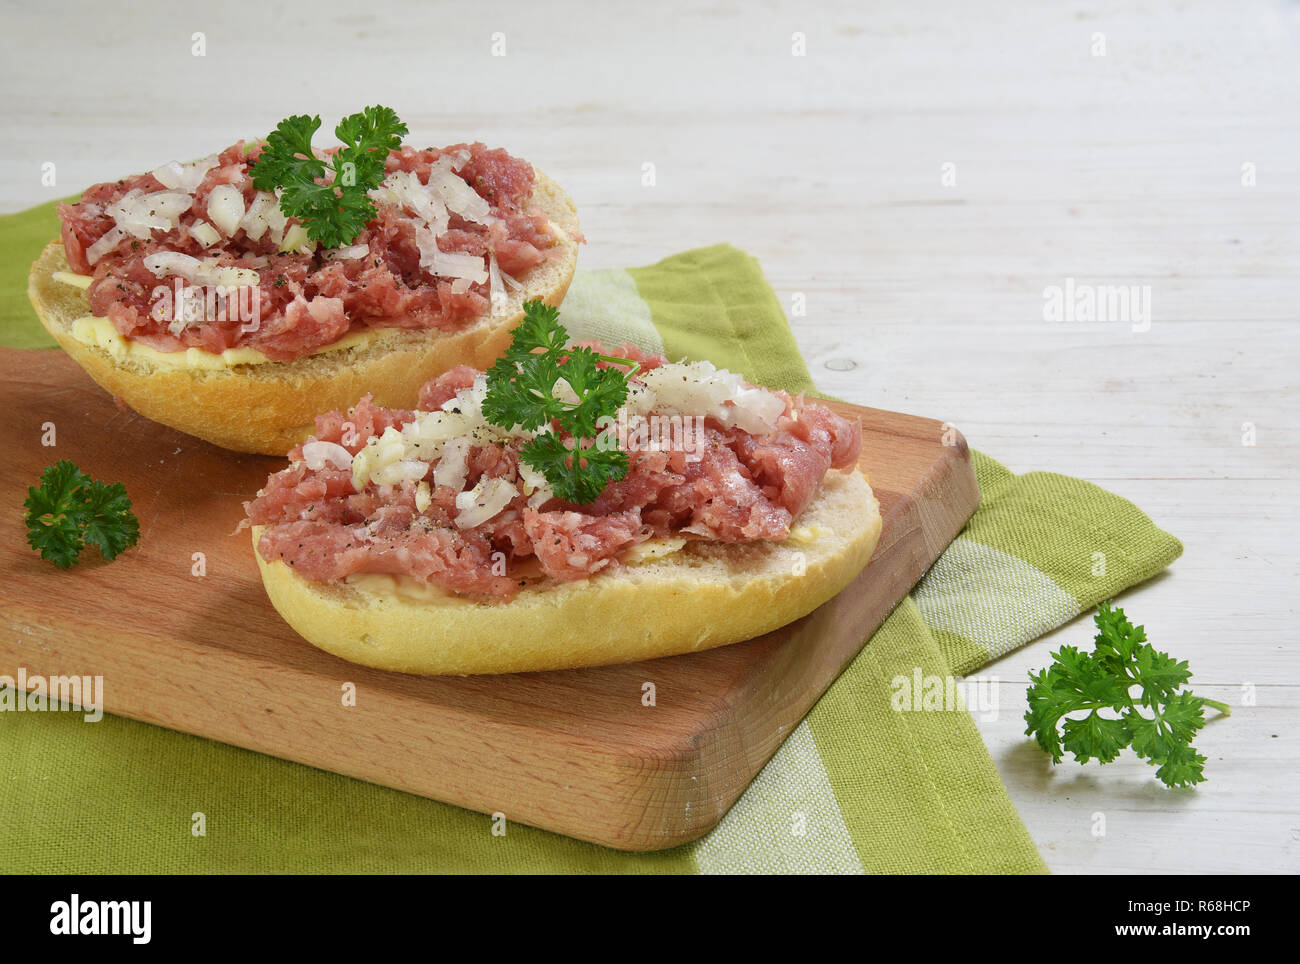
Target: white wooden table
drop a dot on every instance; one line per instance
(1146, 143)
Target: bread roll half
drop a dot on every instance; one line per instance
(706, 594)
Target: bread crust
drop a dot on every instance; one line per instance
(706, 595)
(268, 408)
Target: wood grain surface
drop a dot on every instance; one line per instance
(576, 752)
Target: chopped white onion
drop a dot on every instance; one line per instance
(110, 240)
(699, 388)
(411, 470)
(404, 189)
(428, 432)
(184, 177)
(445, 436)
(296, 240)
(226, 208)
(640, 399)
(318, 454)
(496, 286)
(206, 272)
(139, 215)
(469, 399)
(564, 392)
(757, 410)
(346, 254)
(380, 451)
(534, 485)
(444, 265)
(228, 277)
(204, 233)
(483, 502)
(458, 196)
(169, 175)
(276, 218)
(257, 219)
(172, 262)
(453, 467)
(189, 309)
(432, 204)
(511, 283)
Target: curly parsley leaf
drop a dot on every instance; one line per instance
(334, 218)
(575, 478)
(539, 330)
(1095, 736)
(1158, 722)
(522, 392)
(287, 156)
(69, 510)
(598, 392)
(539, 382)
(371, 135)
(1182, 766)
(329, 196)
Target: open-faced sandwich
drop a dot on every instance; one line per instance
(237, 296)
(571, 506)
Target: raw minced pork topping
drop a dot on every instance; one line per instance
(440, 495)
(453, 228)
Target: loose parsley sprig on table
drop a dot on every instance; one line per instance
(1159, 723)
(70, 510)
(333, 213)
(524, 390)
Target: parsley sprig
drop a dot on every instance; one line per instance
(1159, 723)
(524, 389)
(70, 510)
(333, 213)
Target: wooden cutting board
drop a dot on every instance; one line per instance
(576, 752)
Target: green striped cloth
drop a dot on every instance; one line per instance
(860, 786)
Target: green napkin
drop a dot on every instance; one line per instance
(860, 785)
